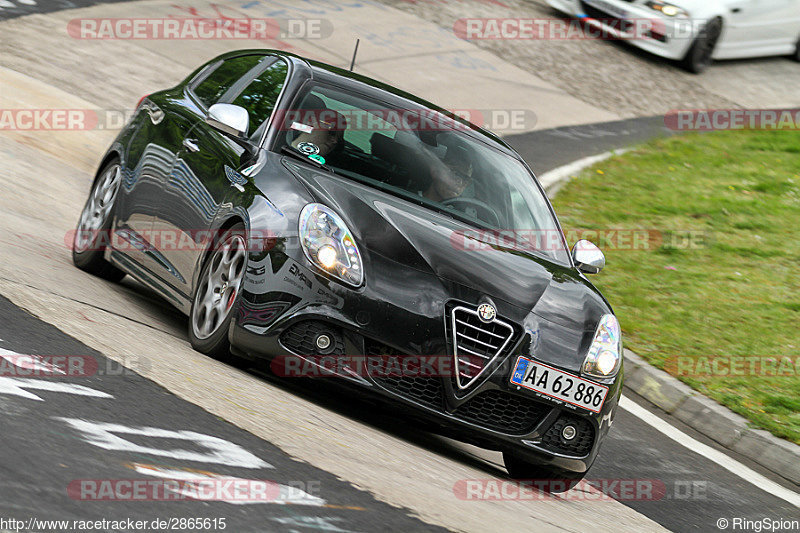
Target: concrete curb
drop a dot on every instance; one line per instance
(553, 180)
(699, 412)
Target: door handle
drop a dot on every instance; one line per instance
(191, 145)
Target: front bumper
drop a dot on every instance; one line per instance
(283, 300)
(672, 38)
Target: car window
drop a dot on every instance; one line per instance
(222, 78)
(261, 94)
(359, 137)
(426, 157)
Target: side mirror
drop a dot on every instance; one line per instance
(588, 257)
(229, 118)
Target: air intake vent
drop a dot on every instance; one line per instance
(476, 343)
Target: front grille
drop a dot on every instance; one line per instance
(493, 409)
(504, 412)
(425, 390)
(476, 343)
(580, 446)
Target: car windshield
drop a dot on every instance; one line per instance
(425, 157)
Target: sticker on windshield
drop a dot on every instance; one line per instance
(308, 148)
(318, 158)
(305, 128)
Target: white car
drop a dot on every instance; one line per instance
(697, 32)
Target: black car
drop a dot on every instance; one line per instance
(301, 212)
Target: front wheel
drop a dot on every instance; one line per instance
(93, 233)
(556, 481)
(215, 294)
(701, 54)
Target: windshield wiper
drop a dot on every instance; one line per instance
(291, 150)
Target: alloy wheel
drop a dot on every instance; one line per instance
(97, 208)
(218, 287)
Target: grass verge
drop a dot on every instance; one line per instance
(712, 295)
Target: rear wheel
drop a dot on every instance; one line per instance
(558, 480)
(215, 294)
(701, 54)
(94, 226)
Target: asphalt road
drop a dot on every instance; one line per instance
(54, 437)
(545, 150)
(18, 8)
(45, 454)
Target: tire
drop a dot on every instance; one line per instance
(521, 469)
(92, 233)
(700, 55)
(216, 292)
(796, 55)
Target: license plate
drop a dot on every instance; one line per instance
(609, 8)
(560, 385)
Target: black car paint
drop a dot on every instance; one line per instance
(412, 270)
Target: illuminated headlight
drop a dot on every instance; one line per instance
(328, 244)
(666, 9)
(605, 353)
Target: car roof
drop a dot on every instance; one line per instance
(324, 72)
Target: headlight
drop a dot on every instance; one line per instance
(605, 353)
(328, 243)
(666, 9)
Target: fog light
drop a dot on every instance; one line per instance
(569, 432)
(323, 342)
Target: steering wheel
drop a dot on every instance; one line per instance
(478, 205)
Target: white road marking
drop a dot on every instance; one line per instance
(710, 453)
(6, 3)
(287, 495)
(313, 522)
(558, 175)
(15, 386)
(34, 363)
(220, 451)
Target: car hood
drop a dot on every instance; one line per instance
(418, 238)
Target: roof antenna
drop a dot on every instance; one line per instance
(353, 61)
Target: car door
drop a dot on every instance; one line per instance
(761, 27)
(161, 124)
(206, 171)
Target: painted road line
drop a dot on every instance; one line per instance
(218, 451)
(284, 494)
(555, 179)
(709, 453)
